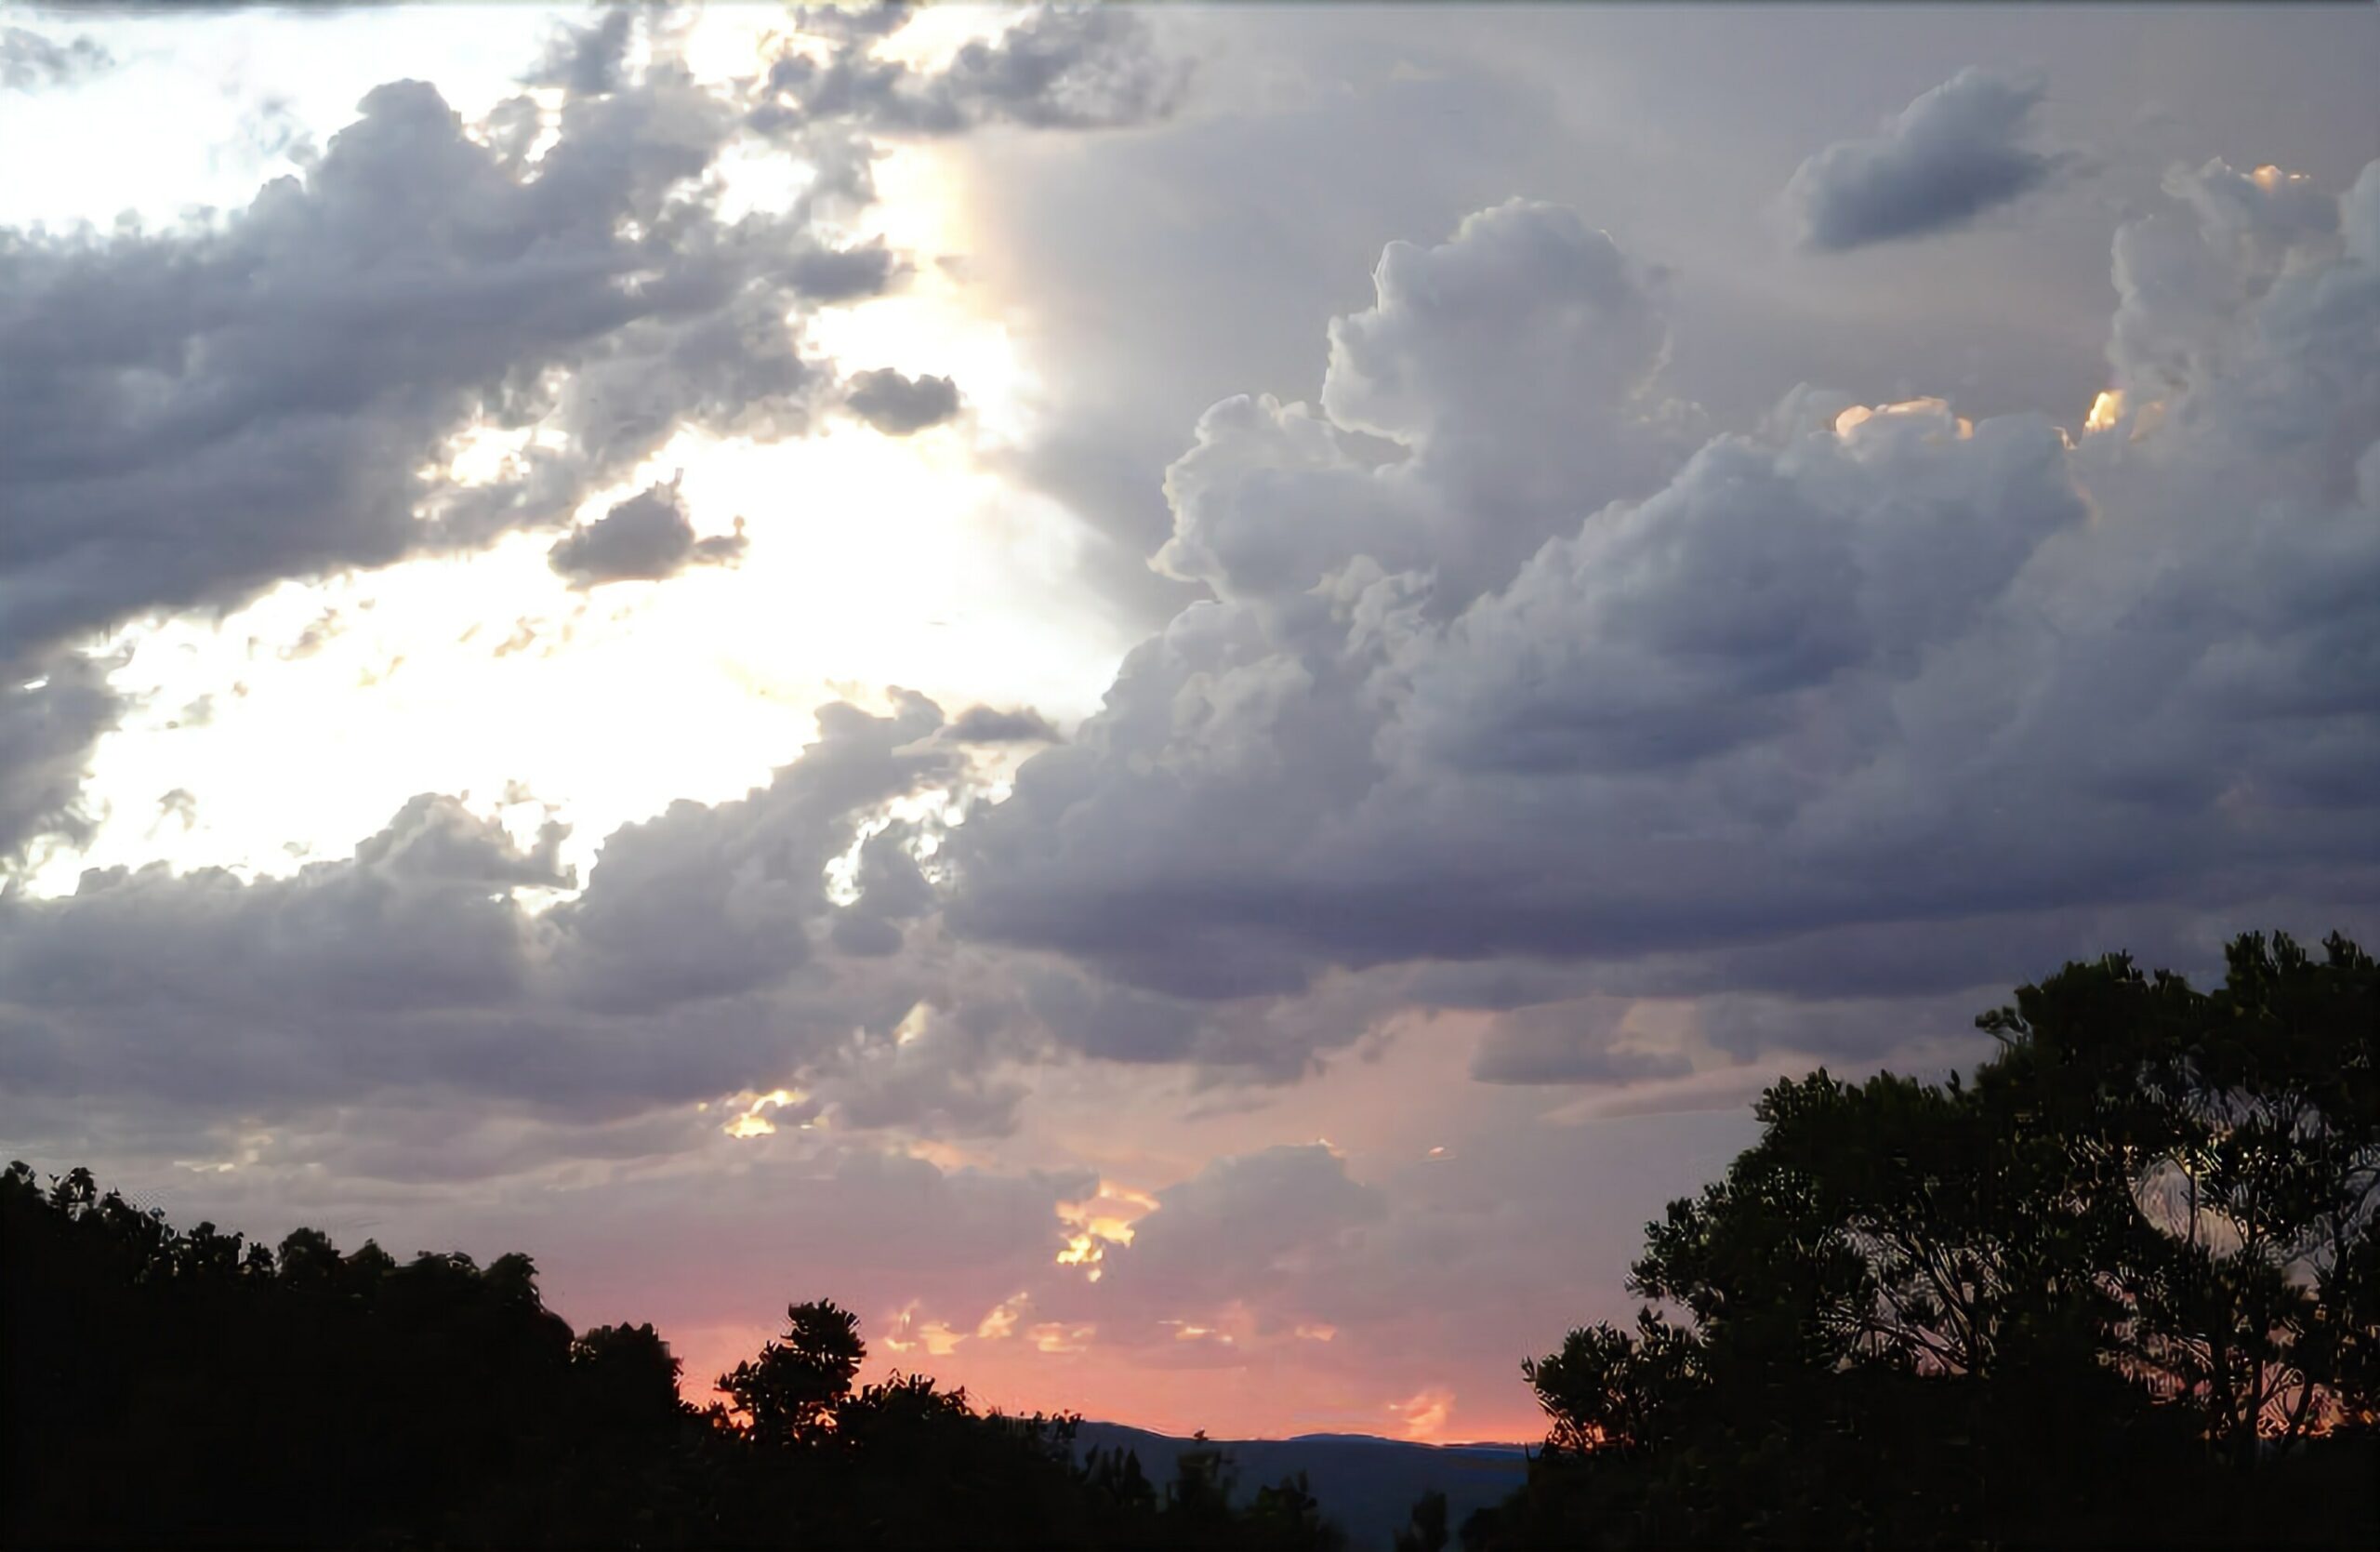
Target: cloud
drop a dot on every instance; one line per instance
(53, 711)
(1583, 1042)
(30, 62)
(1873, 666)
(294, 380)
(1515, 364)
(588, 60)
(984, 725)
(1956, 153)
(1077, 67)
(448, 955)
(830, 275)
(279, 382)
(898, 405)
(647, 537)
(1814, 707)
(1242, 1227)
(1084, 67)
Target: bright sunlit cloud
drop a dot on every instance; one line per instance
(296, 726)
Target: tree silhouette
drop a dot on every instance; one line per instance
(300, 1398)
(791, 1392)
(1426, 1531)
(2030, 1308)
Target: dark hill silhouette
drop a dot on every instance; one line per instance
(1367, 1484)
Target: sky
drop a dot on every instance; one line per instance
(1183, 699)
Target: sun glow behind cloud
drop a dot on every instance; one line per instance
(1098, 1222)
(298, 723)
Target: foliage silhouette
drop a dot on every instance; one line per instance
(2117, 1290)
(1426, 1532)
(169, 1389)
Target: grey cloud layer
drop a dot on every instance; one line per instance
(1955, 154)
(692, 964)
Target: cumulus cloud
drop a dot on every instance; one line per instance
(898, 405)
(1516, 366)
(205, 410)
(1057, 68)
(279, 382)
(32, 61)
(647, 537)
(1874, 666)
(1959, 151)
(693, 963)
(1516, 691)
(294, 380)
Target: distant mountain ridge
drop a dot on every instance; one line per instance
(1365, 1483)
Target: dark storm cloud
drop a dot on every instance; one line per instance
(1570, 1043)
(52, 712)
(1078, 67)
(831, 276)
(1517, 690)
(278, 379)
(416, 965)
(647, 537)
(984, 725)
(207, 410)
(898, 405)
(588, 60)
(200, 412)
(1850, 671)
(1073, 68)
(853, 23)
(1957, 151)
(31, 61)
(1790, 714)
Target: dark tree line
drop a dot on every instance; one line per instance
(169, 1389)
(2123, 1289)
